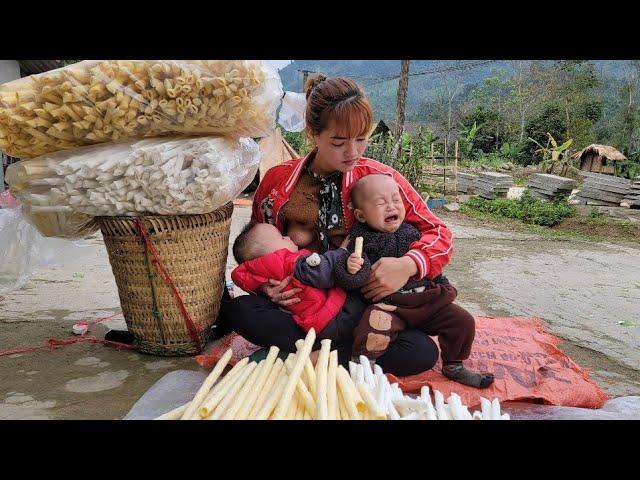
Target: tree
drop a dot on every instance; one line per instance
(494, 94)
(549, 121)
(403, 86)
(528, 80)
(570, 105)
(627, 118)
(467, 140)
(574, 89)
(443, 107)
(487, 123)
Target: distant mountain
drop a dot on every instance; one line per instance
(376, 77)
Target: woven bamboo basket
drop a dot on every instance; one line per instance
(193, 250)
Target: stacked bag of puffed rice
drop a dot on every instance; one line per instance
(132, 137)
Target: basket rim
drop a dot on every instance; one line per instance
(141, 215)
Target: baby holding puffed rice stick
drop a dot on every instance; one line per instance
(426, 305)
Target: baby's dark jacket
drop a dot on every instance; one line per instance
(375, 246)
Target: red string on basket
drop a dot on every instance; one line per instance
(193, 331)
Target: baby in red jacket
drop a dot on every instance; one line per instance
(263, 253)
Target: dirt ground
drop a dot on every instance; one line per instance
(587, 293)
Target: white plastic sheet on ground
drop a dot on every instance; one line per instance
(178, 387)
(171, 391)
(23, 250)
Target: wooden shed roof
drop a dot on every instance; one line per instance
(605, 151)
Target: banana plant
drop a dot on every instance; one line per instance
(426, 137)
(473, 133)
(511, 151)
(553, 152)
(467, 140)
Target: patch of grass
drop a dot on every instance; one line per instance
(491, 161)
(520, 180)
(526, 208)
(596, 221)
(517, 226)
(599, 219)
(569, 235)
(578, 227)
(595, 214)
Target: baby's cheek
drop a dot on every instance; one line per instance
(378, 221)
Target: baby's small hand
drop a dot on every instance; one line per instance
(354, 263)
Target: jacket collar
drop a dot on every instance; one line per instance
(295, 174)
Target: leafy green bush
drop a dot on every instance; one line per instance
(541, 212)
(513, 152)
(413, 153)
(297, 140)
(527, 209)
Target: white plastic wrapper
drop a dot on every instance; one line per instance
(291, 116)
(58, 222)
(165, 176)
(24, 250)
(28, 179)
(102, 101)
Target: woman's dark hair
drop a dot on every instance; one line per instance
(338, 99)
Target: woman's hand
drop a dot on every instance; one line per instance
(387, 276)
(273, 291)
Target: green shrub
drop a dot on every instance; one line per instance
(297, 140)
(527, 209)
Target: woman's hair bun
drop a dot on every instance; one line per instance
(313, 81)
